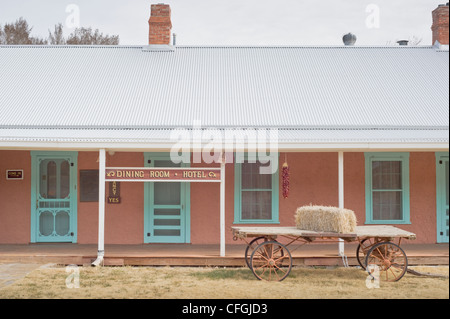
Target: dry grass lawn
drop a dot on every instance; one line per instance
(220, 283)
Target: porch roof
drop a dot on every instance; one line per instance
(288, 139)
(127, 94)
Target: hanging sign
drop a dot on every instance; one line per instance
(114, 193)
(171, 174)
(14, 174)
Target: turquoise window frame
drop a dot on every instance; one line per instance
(238, 198)
(382, 156)
(440, 195)
(73, 189)
(148, 201)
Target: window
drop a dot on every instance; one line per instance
(387, 188)
(256, 195)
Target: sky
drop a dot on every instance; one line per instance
(237, 22)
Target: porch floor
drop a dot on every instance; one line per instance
(200, 255)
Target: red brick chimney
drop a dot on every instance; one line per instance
(440, 24)
(160, 24)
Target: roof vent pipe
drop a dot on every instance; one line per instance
(349, 39)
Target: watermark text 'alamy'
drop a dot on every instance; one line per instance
(209, 145)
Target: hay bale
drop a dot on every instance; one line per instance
(325, 219)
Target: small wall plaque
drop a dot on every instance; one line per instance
(89, 186)
(14, 174)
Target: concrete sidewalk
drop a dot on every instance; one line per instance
(10, 273)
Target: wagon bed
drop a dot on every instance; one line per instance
(270, 259)
(379, 231)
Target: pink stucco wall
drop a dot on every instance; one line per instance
(422, 184)
(314, 179)
(423, 197)
(124, 221)
(15, 199)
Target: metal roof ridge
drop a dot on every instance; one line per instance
(274, 46)
(71, 46)
(324, 46)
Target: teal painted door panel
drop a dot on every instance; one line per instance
(166, 206)
(54, 197)
(442, 192)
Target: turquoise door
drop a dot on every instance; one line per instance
(54, 197)
(167, 218)
(442, 178)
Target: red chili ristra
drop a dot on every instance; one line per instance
(285, 177)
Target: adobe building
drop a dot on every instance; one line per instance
(70, 112)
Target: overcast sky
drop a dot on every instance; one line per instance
(238, 22)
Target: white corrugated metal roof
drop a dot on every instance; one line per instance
(283, 87)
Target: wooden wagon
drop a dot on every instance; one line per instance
(378, 250)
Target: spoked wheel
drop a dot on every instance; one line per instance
(271, 261)
(389, 259)
(362, 250)
(251, 247)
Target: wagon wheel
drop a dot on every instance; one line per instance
(271, 261)
(362, 249)
(389, 259)
(250, 247)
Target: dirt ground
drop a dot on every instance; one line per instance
(35, 281)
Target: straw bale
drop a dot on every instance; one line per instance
(325, 219)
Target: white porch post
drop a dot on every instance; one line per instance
(341, 194)
(101, 207)
(222, 207)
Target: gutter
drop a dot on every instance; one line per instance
(99, 260)
(101, 209)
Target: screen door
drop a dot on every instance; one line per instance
(54, 202)
(442, 178)
(167, 212)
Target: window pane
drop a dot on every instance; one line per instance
(51, 179)
(446, 183)
(46, 223)
(387, 205)
(257, 205)
(43, 179)
(166, 163)
(167, 193)
(446, 222)
(166, 222)
(62, 223)
(167, 212)
(252, 179)
(387, 175)
(65, 180)
(167, 232)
